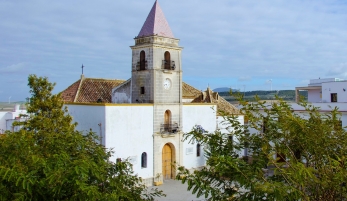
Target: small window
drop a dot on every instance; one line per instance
(198, 150)
(333, 97)
(144, 160)
(142, 90)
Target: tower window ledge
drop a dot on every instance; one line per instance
(167, 71)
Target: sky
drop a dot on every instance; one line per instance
(246, 45)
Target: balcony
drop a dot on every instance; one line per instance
(168, 65)
(141, 65)
(168, 128)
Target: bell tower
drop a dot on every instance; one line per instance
(157, 73)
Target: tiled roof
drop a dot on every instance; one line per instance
(156, 23)
(70, 93)
(209, 96)
(90, 90)
(189, 91)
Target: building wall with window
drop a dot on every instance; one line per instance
(8, 117)
(203, 115)
(126, 129)
(331, 88)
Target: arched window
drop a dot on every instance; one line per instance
(167, 120)
(198, 150)
(144, 160)
(142, 60)
(167, 62)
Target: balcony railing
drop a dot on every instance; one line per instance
(168, 128)
(169, 65)
(141, 65)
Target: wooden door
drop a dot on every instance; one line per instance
(167, 120)
(166, 160)
(167, 60)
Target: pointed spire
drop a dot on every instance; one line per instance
(156, 23)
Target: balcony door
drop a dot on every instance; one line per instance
(167, 60)
(167, 120)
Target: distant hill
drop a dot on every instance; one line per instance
(224, 89)
(288, 95)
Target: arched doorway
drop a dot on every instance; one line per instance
(167, 60)
(167, 162)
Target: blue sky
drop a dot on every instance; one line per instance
(227, 43)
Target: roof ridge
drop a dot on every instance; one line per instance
(79, 87)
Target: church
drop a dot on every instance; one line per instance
(143, 119)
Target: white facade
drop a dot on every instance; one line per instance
(326, 94)
(325, 90)
(8, 117)
(128, 130)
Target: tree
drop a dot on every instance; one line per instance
(47, 159)
(292, 156)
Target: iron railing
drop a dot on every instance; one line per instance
(141, 65)
(169, 128)
(169, 65)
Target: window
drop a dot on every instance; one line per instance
(333, 97)
(142, 90)
(144, 160)
(167, 60)
(198, 150)
(142, 60)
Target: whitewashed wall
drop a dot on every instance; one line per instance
(204, 115)
(7, 116)
(314, 95)
(334, 87)
(130, 133)
(89, 117)
(127, 129)
(223, 127)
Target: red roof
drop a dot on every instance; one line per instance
(156, 23)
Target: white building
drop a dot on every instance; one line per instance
(326, 94)
(8, 117)
(144, 118)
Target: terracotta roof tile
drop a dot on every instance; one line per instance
(69, 94)
(91, 90)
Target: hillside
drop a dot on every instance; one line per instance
(288, 95)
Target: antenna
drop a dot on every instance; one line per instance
(82, 68)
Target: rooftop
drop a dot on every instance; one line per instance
(156, 23)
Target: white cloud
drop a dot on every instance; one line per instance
(244, 78)
(229, 40)
(15, 68)
(339, 71)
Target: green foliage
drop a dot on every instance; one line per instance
(314, 149)
(49, 160)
